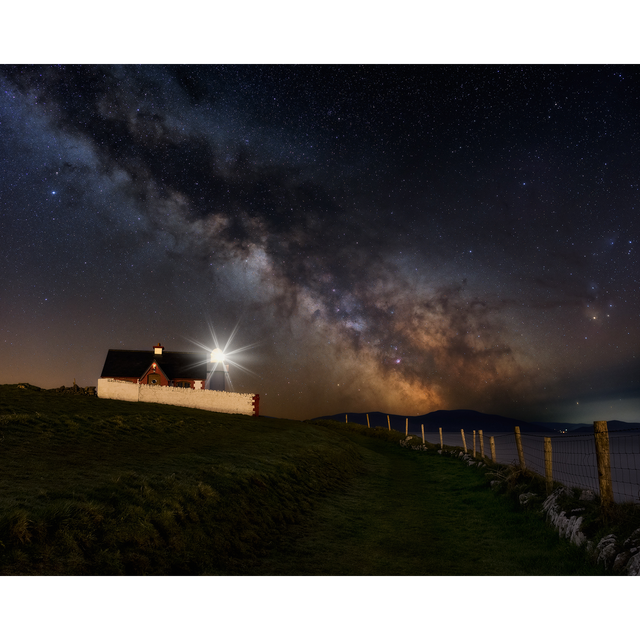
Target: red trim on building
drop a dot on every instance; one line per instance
(155, 369)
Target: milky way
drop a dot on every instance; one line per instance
(389, 238)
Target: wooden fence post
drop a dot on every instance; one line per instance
(474, 443)
(464, 442)
(422, 434)
(523, 466)
(604, 469)
(481, 443)
(406, 430)
(389, 422)
(441, 442)
(493, 450)
(548, 466)
(368, 425)
(346, 417)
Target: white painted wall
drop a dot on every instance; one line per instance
(117, 389)
(221, 401)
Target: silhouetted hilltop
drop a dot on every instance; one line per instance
(470, 420)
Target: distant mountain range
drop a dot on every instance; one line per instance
(466, 419)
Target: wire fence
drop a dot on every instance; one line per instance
(573, 457)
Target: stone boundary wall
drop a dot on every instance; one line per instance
(220, 401)
(117, 390)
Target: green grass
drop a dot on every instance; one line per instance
(90, 486)
(102, 487)
(422, 514)
(621, 519)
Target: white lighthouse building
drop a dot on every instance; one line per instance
(216, 371)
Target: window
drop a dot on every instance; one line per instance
(153, 378)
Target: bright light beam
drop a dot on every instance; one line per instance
(217, 355)
(221, 355)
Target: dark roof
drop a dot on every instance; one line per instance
(175, 364)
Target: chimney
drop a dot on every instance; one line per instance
(157, 349)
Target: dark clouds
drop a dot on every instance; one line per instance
(395, 238)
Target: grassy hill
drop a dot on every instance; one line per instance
(103, 487)
(91, 486)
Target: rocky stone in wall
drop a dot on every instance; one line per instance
(568, 527)
(415, 447)
(623, 557)
(614, 557)
(524, 498)
(620, 558)
(633, 566)
(607, 550)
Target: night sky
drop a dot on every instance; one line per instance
(385, 238)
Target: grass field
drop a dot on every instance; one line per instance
(413, 513)
(102, 487)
